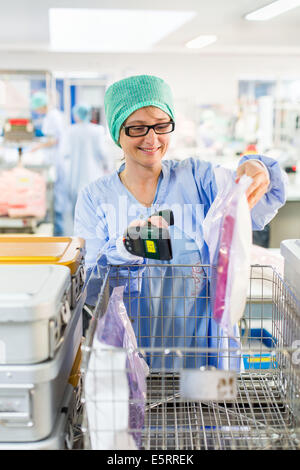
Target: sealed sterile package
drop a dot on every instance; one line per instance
(228, 234)
(115, 329)
(106, 394)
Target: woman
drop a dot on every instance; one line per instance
(83, 152)
(140, 116)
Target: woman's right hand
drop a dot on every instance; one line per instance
(137, 223)
(156, 220)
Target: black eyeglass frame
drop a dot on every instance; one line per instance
(127, 129)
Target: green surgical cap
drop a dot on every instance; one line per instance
(124, 97)
(39, 100)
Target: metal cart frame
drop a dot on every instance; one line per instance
(263, 412)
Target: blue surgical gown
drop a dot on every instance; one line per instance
(53, 126)
(84, 154)
(169, 305)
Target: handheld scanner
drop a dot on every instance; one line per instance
(150, 241)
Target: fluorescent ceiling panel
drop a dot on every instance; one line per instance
(201, 41)
(91, 30)
(272, 10)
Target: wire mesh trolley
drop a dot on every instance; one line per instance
(203, 390)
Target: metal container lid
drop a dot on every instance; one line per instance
(32, 292)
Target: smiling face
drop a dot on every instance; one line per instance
(147, 150)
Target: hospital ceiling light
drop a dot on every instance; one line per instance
(201, 41)
(97, 30)
(272, 10)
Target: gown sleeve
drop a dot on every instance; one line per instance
(102, 250)
(264, 211)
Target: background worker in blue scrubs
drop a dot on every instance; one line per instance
(53, 127)
(141, 118)
(83, 152)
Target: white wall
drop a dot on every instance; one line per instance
(194, 78)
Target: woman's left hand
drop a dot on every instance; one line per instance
(260, 183)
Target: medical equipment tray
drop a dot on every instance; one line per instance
(31, 394)
(62, 435)
(33, 249)
(34, 312)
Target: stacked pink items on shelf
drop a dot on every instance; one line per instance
(22, 193)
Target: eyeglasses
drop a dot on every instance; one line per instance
(139, 131)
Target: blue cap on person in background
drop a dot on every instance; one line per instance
(39, 100)
(82, 112)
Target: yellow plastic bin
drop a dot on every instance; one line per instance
(75, 372)
(32, 249)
